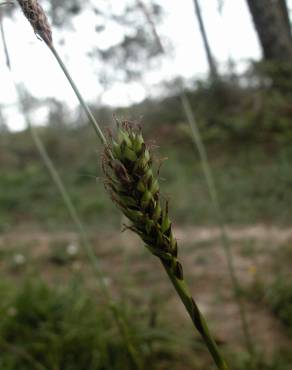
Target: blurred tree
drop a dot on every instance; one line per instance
(61, 11)
(271, 20)
(210, 58)
(152, 25)
(285, 12)
(135, 47)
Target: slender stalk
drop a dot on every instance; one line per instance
(88, 112)
(196, 317)
(224, 237)
(68, 203)
(212, 192)
(4, 43)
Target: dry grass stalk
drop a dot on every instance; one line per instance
(38, 19)
(134, 187)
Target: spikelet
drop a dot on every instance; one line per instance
(133, 186)
(37, 18)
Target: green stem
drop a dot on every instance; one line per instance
(68, 203)
(88, 112)
(214, 199)
(196, 317)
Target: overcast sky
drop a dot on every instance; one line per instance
(231, 35)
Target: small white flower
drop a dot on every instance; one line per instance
(72, 249)
(19, 259)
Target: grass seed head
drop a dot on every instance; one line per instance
(134, 187)
(37, 18)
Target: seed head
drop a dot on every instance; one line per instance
(134, 187)
(37, 18)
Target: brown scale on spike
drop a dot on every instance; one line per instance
(38, 19)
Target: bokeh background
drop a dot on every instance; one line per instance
(230, 61)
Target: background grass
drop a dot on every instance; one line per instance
(67, 328)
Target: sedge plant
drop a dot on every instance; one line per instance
(127, 165)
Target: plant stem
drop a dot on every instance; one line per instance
(88, 112)
(196, 317)
(67, 201)
(5, 48)
(224, 237)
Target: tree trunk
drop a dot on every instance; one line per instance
(285, 13)
(210, 59)
(272, 24)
